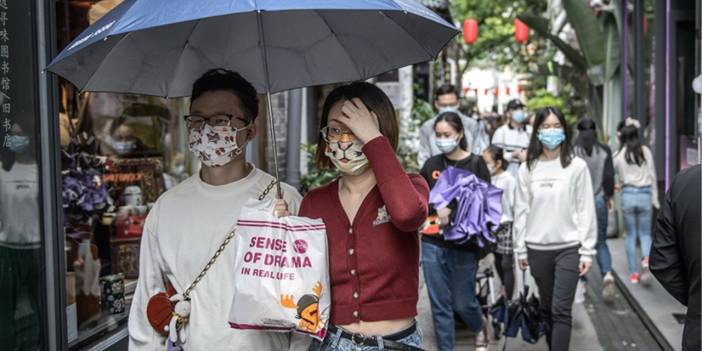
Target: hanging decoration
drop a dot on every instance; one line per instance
(521, 31)
(470, 31)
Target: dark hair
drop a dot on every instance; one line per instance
(629, 137)
(497, 154)
(587, 135)
(374, 99)
(222, 79)
(454, 120)
(535, 147)
(445, 89)
(514, 104)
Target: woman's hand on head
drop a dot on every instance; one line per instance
(362, 122)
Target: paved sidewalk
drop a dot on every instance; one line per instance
(584, 337)
(652, 299)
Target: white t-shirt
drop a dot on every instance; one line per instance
(510, 139)
(555, 208)
(19, 207)
(183, 230)
(508, 184)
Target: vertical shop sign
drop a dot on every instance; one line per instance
(5, 99)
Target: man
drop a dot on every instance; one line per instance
(675, 252)
(446, 100)
(513, 137)
(189, 222)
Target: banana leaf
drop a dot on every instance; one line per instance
(587, 30)
(540, 25)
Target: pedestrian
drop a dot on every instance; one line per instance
(188, 223)
(675, 254)
(636, 174)
(446, 100)
(513, 137)
(555, 224)
(504, 252)
(450, 269)
(598, 157)
(372, 213)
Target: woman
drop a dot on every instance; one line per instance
(555, 224)
(637, 178)
(372, 213)
(598, 157)
(450, 269)
(504, 258)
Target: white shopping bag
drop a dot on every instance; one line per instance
(281, 273)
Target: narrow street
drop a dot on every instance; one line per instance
(597, 325)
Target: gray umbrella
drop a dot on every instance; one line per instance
(160, 47)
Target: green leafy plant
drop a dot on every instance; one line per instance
(543, 98)
(315, 177)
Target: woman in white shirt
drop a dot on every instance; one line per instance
(504, 253)
(555, 224)
(636, 174)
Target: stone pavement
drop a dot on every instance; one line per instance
(597, 325)
(658, 308)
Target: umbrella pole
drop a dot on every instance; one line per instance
(271, 127)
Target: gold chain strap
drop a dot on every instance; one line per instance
(221, 248)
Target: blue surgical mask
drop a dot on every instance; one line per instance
(446, 145)
(551, 137)
(17, 143)
(518, 116)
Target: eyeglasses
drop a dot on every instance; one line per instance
(332, 134)
(196, 121)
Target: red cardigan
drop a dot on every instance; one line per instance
(374, 262)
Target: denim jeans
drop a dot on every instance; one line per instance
(334, 342)
(636, 207)
(604, 258)
(450, 276)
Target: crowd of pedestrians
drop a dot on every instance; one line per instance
(556, 191)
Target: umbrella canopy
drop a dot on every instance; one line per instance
(523, 315)
(160, 47)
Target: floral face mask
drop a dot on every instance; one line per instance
(215, 146)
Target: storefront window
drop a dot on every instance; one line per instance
(22, 326)
(119, 154)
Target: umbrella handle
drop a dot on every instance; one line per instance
(271, 128)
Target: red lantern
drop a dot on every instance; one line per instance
(470, 31)
(521, 31)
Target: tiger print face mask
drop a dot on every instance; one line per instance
(348, 160)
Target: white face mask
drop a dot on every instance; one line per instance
(215, 146)
(355, 160)
(448, 108)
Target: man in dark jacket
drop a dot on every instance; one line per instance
(675, 253)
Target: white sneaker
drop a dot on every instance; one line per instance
(580, 291)
(608, 289)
